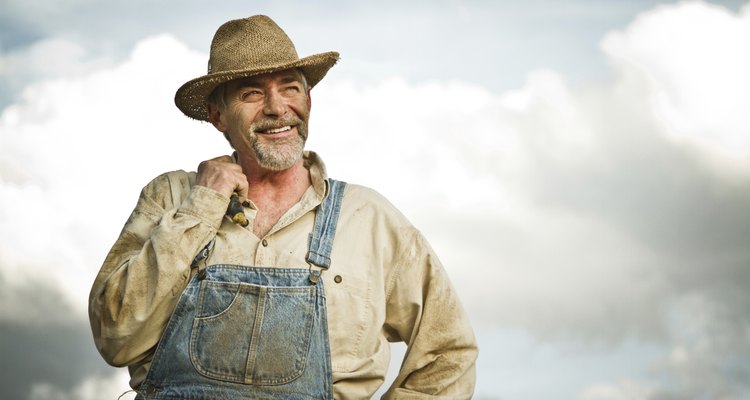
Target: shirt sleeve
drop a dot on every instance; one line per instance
(424, 311)
(148, 266)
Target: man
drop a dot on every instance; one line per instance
(302, 302)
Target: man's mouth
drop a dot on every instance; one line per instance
(274, 130)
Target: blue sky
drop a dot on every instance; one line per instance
(581, 169)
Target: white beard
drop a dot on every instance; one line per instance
(278, 154)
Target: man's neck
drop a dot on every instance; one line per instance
(274, 192)
(264, 180)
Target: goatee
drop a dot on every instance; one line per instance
(278, 154)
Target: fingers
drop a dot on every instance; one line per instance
(222, 175)
(224, 159)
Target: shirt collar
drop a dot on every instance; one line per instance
(318, 174)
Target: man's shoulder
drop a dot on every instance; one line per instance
(364, 194)
(170, 187)
(363, 199)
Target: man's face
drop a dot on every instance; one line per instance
(266, 116)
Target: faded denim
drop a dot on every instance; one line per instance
(241, 332)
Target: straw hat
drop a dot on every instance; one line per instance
(247, 47)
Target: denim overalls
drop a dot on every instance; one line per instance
(241, 332)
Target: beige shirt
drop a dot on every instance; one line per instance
(385, 284)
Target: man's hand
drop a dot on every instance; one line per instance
(224, 176)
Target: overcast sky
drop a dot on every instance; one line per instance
(582, 168)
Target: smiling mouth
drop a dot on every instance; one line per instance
(274, 130)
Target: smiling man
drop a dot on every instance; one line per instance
(302, 302)
(277, 105)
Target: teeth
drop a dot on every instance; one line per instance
(277, 130)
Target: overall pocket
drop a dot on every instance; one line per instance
(252, 334)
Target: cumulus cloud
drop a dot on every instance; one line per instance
(583, 215)
(589, 215)
(692, 63)
(45, 59)
(76, 152)
(60, 142)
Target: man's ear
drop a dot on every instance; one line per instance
(309, 100)
(214, 116)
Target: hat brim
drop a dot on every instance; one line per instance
(191, 97)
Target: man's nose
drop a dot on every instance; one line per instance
(274, 105)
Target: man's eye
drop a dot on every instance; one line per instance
(251, 94)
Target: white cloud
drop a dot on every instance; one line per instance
(695, 59)
(49, 58)
(586, 214)
(76, 153)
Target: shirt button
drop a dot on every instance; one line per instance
(337, 278)
(265, 243)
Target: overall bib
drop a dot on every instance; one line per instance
(241, 332)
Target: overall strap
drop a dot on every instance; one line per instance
(326, 218)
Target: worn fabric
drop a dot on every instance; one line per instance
(245, 332)
(384, 284)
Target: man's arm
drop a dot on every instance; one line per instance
(424, 311)
(148, 267)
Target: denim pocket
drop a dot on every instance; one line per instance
(252, 334)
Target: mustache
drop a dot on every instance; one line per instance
(266, 124)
